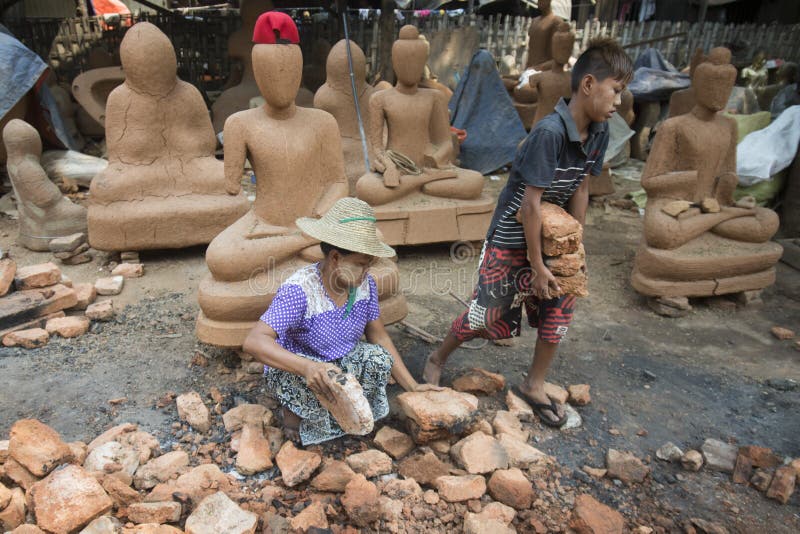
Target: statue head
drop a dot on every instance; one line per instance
(277, 59)
(148, 60)
(544, 7)
(563, 42)
(409, 55)
(21, 139)
(338, 71)
(697, 58)
(714, 79)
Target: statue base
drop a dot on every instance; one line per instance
(422, 219)
(601, 185)
(708, 265)
(163, 223)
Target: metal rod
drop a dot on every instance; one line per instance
(355, 92)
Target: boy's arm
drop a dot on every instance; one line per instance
(578, 202)
(531, 217)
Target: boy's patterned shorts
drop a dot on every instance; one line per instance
(504, 285)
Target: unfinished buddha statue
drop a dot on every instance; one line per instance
(413, 174)
(683, 101)
(336, 97)
(250, 259)
(242, 83)
(540, 38)
(44, 213)
(552, 85)
(163, 187)
(696, 241)
(526, 96)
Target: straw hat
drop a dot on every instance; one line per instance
(350, 225)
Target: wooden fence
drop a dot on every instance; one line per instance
(200, 39)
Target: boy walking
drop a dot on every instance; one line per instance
(550, 166)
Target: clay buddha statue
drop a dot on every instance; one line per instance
(540, 38)
(526, 97)
(44, 213)
(683, 101)
(163, 187)
(414, 183)
(697, 242)
(336, 97)
(296, 156)
(241, 86)
(552, 85)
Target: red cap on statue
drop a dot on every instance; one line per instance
(275, 27)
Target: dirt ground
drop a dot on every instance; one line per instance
(717, 373)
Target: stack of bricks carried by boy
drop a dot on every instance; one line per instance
(562, 245)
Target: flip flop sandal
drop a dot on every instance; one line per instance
(540, 407)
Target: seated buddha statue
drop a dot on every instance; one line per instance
(540, 58)
(44, 213)
(554, 84)
(414, 184)
(697, 241)
(540, 37)
(163, 187)
(336, 97)
(683, 101)
(296, 155)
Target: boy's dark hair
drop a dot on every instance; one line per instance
(604, 58)
(327, 248)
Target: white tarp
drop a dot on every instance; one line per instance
(766, 152)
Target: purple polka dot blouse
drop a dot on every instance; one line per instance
(307, 321)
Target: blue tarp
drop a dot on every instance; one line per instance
(20, 71)
(481, 106)
(655, 78)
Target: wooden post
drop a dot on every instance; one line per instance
(701, 16)
(387, 39)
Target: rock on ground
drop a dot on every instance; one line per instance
(370, 463)
(109, 286)
(160, 469)
(312, 516)
(461, 488)
(395, 443)
(192, 410)
(478, 380)
(32, 338)
(155, 512)
(692, 460)
(252, 414)
(424, 468)
(100, 311)
(361, 501)
(625, 467)
(254, 453)
(438, 414)
(510, 487)
(296, 465)
(35, 276)
(334, 477)
(719, 456)
(479, 453)
(72, 326)
(592, 517)
(37, 447)
(68, 499)
(218, 514)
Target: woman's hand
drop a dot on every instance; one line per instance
(316, 375)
